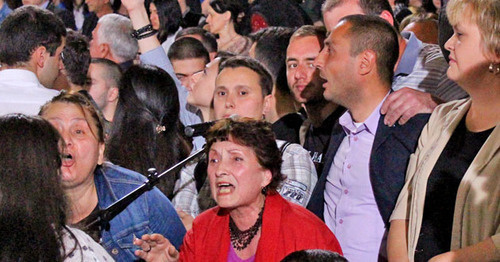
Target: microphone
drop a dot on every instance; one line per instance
(202, 128)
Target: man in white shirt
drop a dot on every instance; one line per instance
(31, 43)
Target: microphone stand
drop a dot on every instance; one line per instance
(104, 216)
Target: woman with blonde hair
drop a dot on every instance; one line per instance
(448, 210)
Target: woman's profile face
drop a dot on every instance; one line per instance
(82, 151)
(467, 61)
(202, 91)
(153, 17)
(216, 21)
(236, 177)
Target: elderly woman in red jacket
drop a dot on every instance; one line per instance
(251, 220)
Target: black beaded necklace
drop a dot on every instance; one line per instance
(241, 239)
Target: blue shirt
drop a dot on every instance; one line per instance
(150, 213)
(4, 11)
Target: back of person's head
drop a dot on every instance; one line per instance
(32, 201)
(188, 48)
(207, 39)
(239, 13)
(146, 129)
(279, 13)
(314, 255)
(115, 30)
(270, 47)
(111, 71)
(266, 80)
(170, 16)
(26, 29)
(76, 58)
(369, 7)
(374, 33)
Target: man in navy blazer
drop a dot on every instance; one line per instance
(366, 160)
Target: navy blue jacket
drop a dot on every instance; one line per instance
(389, 159)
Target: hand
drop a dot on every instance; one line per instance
(445, 257)
(156, 248)
(132, 5)
(186, 219)
(404, 104)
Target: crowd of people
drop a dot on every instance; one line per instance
(324, 130)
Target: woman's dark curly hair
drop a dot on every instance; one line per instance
(255, 134)
(239, 13)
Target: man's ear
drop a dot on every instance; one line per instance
(367, 62)
(113, 94)
(267, 104)
(104, 50)
(40, 55)
(386, 15)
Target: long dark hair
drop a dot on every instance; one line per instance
(170, 17)
(239, 13)
(32, 202)
(146, 129)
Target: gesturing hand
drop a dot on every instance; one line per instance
(404, 104)
(156, 248)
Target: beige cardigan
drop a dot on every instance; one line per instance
(477, 207)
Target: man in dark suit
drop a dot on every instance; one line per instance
(66, 16)
(366, 160)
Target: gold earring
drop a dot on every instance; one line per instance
(494, 68)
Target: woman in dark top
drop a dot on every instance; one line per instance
(450, 202)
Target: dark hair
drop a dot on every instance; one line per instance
(83, 100)
(270, 49)
(26, 29)
(112, 71)
(188, 48)
(279, 12)
(310, 30)
(207, 39)
(255, 134)
(170, 17)
(239, 13)
(76, 58)
(32, 201)
(314, 255)
(266, 80)
(146, 129)
(374, 33)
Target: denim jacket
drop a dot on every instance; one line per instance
(150, 213)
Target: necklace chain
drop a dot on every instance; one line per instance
(241, 239)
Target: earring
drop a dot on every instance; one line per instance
(264, 190)
(494, 68)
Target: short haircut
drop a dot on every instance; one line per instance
(266, 80)
(115, 30)
(207, 39)
(257, 135)
(369, 7)
(374, 33)
(310, 30)
(26, 29)
(314, 255)
(188, 48)
(76, 58)
(111, 72)
(485, 14)
(419, 18)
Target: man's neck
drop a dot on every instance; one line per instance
(317, 112)
(363, 107)
(109, 111)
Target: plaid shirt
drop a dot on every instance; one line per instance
(297, 188)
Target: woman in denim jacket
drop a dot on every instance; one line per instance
(92, 185)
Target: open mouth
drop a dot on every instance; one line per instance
(224, 188)
(67, 160)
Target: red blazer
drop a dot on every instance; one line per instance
(286, 227)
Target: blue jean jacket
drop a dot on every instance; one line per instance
(150, 213)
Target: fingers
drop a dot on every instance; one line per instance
(402, 105)
(172, 252)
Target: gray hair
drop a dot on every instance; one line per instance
(115, 31)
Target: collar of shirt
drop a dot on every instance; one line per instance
(19, 75)
(410, 55)
(370, 124)
(44, 5)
